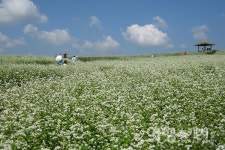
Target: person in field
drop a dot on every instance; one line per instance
(60, 60)
(74, 58)
(65, 62)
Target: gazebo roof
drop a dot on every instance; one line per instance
(204, 43)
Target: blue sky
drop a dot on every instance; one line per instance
(109, 27)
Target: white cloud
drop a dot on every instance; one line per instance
(183, 46)
(160, 23)
(13, 11)
(30, 29)
(147, 35)
(6, 42)
(56, 36)
(199, 32)
(61, 37)
(94, 21)
(223, 14)
(107, 44)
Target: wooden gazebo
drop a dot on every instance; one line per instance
(205, 45)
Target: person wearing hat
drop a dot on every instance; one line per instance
(74, 58)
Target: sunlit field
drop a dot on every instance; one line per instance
(167, 102)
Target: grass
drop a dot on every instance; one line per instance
(169, 101)
(124, 57)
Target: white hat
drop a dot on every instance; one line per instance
(58, 58)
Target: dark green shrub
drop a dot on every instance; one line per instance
(210, 52)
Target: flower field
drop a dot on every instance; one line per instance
(170, 102)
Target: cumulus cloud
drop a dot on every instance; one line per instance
(60, 37)
(147, 35)
(199, 32)
(160, 23)
(30, 29)
(107, 44)
(55, 37)
(94, 21)
(223, 14)
(183, 46)
(13, 11)
(6, 42)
